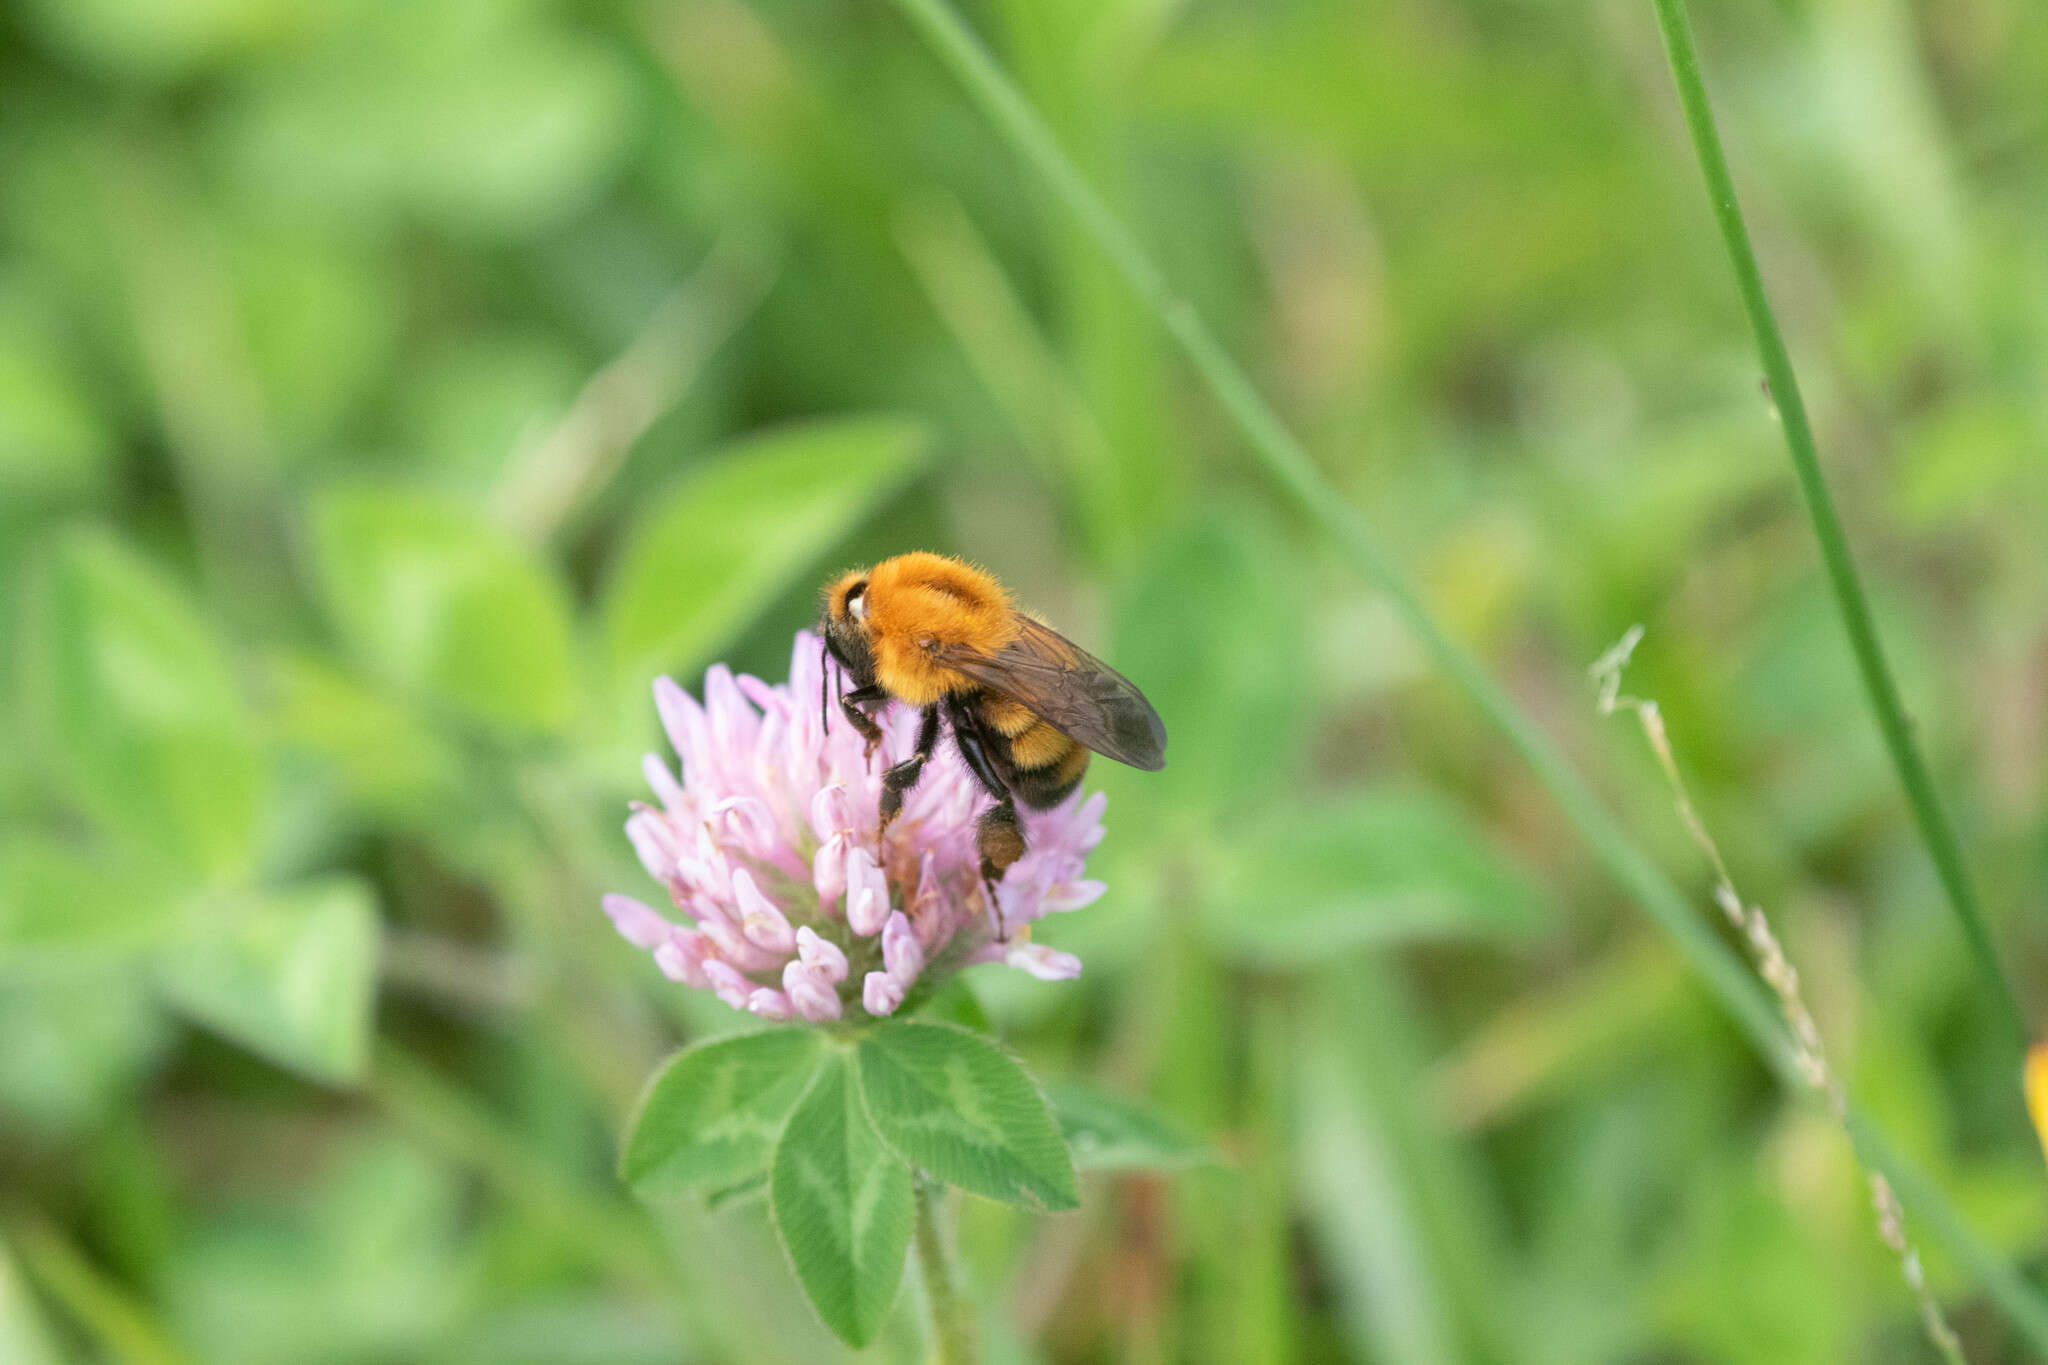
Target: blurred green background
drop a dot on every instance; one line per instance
(388, 391)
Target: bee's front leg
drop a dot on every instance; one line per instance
(851, 705)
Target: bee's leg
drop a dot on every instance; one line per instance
(999, 838)
(902, 777)
(851, 705)
(998, 834)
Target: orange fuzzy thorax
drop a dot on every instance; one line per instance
(918, 600)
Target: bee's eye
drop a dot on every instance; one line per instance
(857, 604)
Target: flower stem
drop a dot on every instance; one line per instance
(1276, 448)
(1850, 599)
(952, 1339)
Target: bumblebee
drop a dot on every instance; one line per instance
(1025, 704)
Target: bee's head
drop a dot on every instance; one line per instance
(845, 626)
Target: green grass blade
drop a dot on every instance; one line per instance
(1276, 448)
(1827, 524)
(124, 1328)
(1284, 457)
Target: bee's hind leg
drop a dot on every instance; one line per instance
(999, 839)
(998, 833)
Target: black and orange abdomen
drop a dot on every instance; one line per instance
(1038, 763)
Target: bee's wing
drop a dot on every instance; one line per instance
(1070, 689)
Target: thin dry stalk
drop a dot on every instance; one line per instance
(1781, 976)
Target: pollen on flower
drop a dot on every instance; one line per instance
(792, 902)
